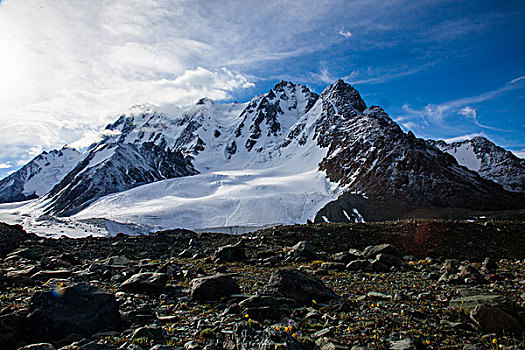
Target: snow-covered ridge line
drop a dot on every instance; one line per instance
(281, 158)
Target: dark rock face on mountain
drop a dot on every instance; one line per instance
(489, 160)
(38, 176)
(369, 153)
(129, 166)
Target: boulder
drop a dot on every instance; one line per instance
(213, 287)
(262, 307)
(117, 260)
(235, 252)
(145, 282)
(494, 320)
(344, 257)
(152, 331)
(302, 251)
(81, 309)
(359, 265)
(335, 266)
(10, 330)
(470, 272)
(25, 253)
(370, 252)
(408, 344)
(299, 286)
(468, 303)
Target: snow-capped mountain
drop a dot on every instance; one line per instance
(38, 176)
(489, 160)
(279, 158)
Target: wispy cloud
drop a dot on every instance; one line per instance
(6, 165)
(435, 115)
(345, 33)
(464, 137)
(471, 114)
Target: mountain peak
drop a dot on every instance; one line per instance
(205, 101)
(345, 97)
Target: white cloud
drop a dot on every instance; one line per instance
(464, 137)
(344, 33)
(6, 165)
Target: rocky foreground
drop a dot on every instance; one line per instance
(400, 285)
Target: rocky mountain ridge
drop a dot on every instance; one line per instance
(288, 143)
(489, 160)
(39, 176)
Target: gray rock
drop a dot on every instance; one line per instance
(235, 252)
(93, 345)
(25, 253)
(299, 286)
(468, 303)
(408, 344)
(151, 331)
(326, 343)
(359, 265)
(378, 266)
(345, 258)
(261, 307)
(81, 309)
(389, 260)
(117, 260)
(213, 287)
(335, 266)
(38, 346)
(145, 282)
(494, 320)
(303, 251)
(372, 251)
(192, 345)
(472, 273)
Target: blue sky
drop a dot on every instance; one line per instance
(443, 69)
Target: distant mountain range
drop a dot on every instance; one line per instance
(284, 157)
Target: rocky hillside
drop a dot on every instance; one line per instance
(37, 177)
(489, 160)
(398, 285)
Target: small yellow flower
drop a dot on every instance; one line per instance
(246, 316)
(286, 329)
(278, 328)
(495, 341)
(428, 342)
(294, 335)
(348, 329)
(313, 301)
